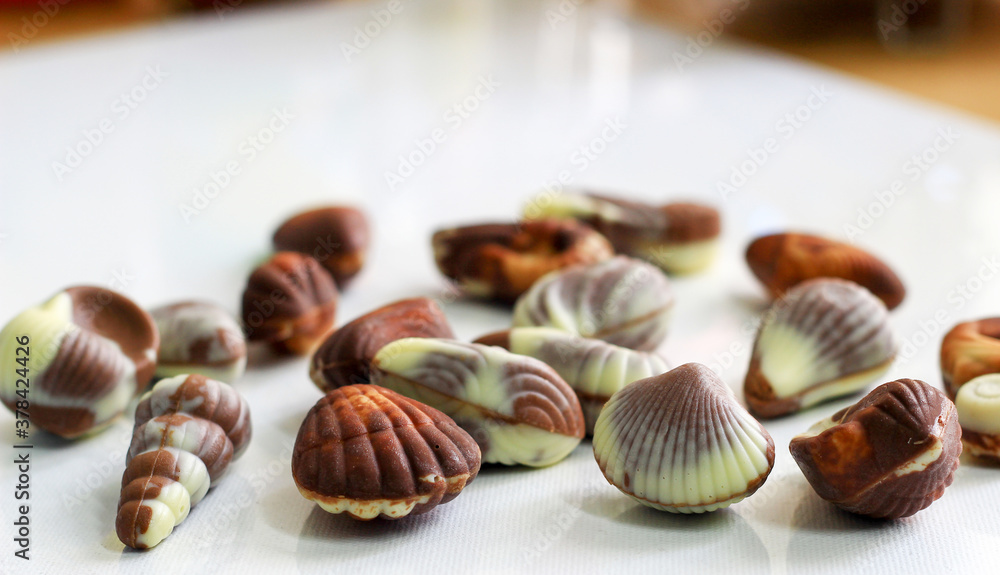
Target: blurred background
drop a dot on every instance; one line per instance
(946, 51)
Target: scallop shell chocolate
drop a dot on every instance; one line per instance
(370, 452)
(622, 301)
(595, 369)
(680, 442)
(199, 337)
(517, 408)
(825, 338)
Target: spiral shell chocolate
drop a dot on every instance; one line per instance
(188, 429)
(517, 408)
(595, 369)
(622, 301)
(82, 356)
(199, 337)
(680, 442)
(370, 452)
(782, 261)
(978, 406)
(825, 338)
(969, 350)
(289, 302)
(888, 456)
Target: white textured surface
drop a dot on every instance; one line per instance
(116, 221)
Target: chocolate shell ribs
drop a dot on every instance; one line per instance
(188, 429)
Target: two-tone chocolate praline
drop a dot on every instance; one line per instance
(969, 350)
(978, 405)
(199, 337)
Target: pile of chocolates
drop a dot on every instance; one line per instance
(410, 413)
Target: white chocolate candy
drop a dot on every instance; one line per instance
(978, 405)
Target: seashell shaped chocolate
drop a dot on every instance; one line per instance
(978, 405)
(199, 337)
(595, 369)
(888, 456)
(188, 429)
(370, 452)
(82, 356)
(622, 301)
(517, 408)
(969, 350)
(680, 442)
(825, 338)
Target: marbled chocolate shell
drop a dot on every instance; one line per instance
(595, 369)
(782, 261)
(824, 339)
(969, 350)
(978, 405)
(188, 429)
(680, 442)
(622, 301)
(888, 456)
(517, 408)
(79, 358)
(370, 452)
(199, 337)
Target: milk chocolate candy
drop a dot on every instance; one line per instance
(969, 350)
(199, 337)
(336, 236)
(978, 406)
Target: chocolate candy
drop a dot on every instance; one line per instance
(782, 261)
(978, 405)
(289, 303)
(199, 337)
(517, 408)
(595, 369)
(969, 350)
(188, 429)
(824, 339)
(678, 237)
(680, 442)
(337, 237)
(345, 357)
(501, 261)
(622, 301)
(82, 356)
(888, 456)
(370, 452)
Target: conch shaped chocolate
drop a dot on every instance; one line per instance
(622, 301)
(501, 261)
(188, 429)
(678, 237)
(824, 339)
(888, 456)
(680, 442)
(782, 261)
(79, 358)
(345, 357)
(199, 337)
(595, 369)
(370, 452)
(517, 408)
(978, 406)
(969, 350)
(289, 302)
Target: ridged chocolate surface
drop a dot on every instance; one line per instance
(969, 350)
(623, 301)
(489, 392)
(680, 442)
(888, 456)
(196, 335)
(781, 261)
(595, 369)
(290, 302)
(503, 260)
(825, 338)
(345, 357)
(378, 453)
(336, 236)
(188, 429)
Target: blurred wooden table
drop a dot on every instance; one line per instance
(965, 75)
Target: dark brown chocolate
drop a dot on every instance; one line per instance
(337, 237)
